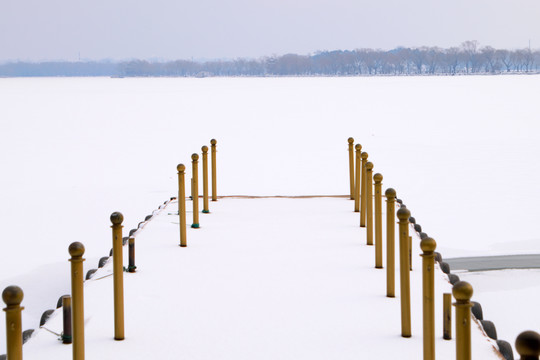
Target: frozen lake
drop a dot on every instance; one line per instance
(72, 151)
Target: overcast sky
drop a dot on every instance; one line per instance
(210, 29)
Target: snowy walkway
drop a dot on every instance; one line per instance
(261, 279)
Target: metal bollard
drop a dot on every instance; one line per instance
(195, 190)
(369, 203)
(351, 167)
(204, 149)
(378, 221)
(182, 203)
(358, 181)
(390, 242)
(528, 345)
(13, 296)
(118, 275)
(410, 253)
(66, 312)
(428, 246)
(463, 291)
(447, 316)
(403, 215)
(131, 266)
(76, 250)
(213, 142)
(363, 189)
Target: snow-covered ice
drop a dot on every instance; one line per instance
(460, 151)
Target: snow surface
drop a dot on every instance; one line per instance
(460, 151)
(261, 279)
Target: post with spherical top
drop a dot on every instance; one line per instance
(76, 250)
(462, 292)
(213, 142)
(204, 149)
(528, 345)
(363, 188)
(403, 215)
(369, 203)
(428, 246)
(390, 242)
(351, 167)
(357, 181)
(13, 296)
(378, 221)
(182, 203)
(195, 189)
(118, 275)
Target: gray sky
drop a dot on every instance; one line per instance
(167, 29)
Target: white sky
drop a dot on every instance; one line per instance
(165, 29)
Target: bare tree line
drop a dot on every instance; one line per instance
(468, 58)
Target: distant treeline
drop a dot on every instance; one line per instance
(469, 58)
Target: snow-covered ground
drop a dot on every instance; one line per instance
(261, 279)
(460, 151)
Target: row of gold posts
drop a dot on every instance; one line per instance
(362, 183)
(73, 306)
(181, 168)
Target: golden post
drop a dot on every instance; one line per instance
(447, 316)
(358, 182)
(66, 312)
(13, 296)
(363, 189)
(182, 203)
(76, 250)
(378, 221)
(369, 203)
(118, 275)
(463, 291)
(390, 242)
(213, 142)
(528, 345)
(195, 190)
(410, 253)
(351, 167)
(205, 178)
(428, 246)
(403, 215)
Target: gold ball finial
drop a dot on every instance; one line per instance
(369, 166)
(350, 140)
(528, 344)
(390, 193)
(117, 218)
(195, 157)
(213, 142)
(377, 178)
(358, 147)
(364, 155)
(403, 214)
(428, 245)
(204, 149)
(12, 295)
(462, 291)
(76, 249)
(181, 167)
